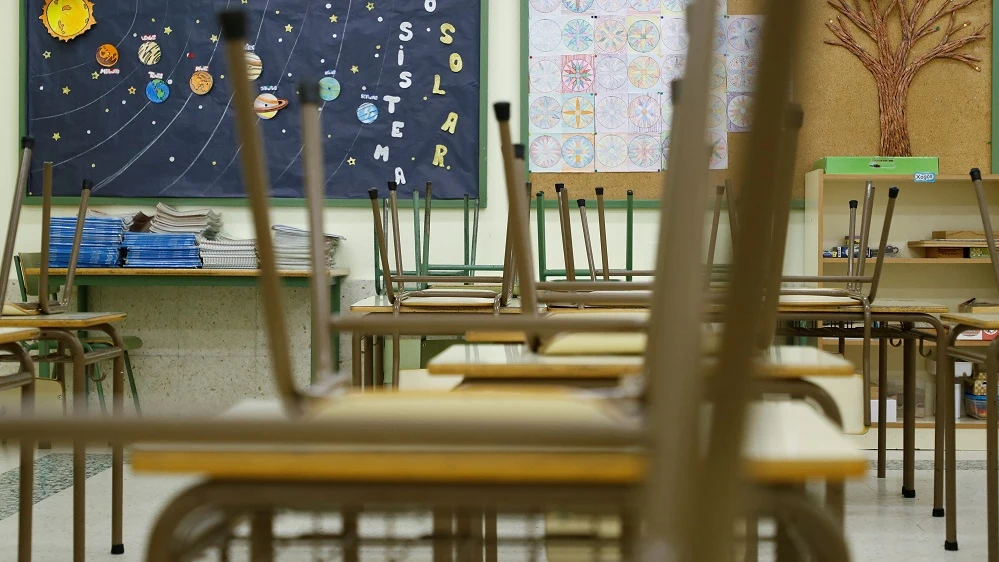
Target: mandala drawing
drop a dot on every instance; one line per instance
(719, 150)
(673, 66)
(612, 151)
(643, 72)
(666, 113)
(577, 6)
(716, 112)
(612, 112)
(742, 73)
(577, 35)
(545, 76)
(743, 34)
(674, 35)
(664, 144)
(612, 72)
(644, 5)
(644, 112)
(578, 151)
(611, 5)
(721, 36)
(644, 151)
(545, 6)
(545, 35)
(578, 112)
(718, 73)
(643, 36)
(545, 112)
(739, 113)
(546, 151)
(577, 75)
(610, 35)
(677, 5)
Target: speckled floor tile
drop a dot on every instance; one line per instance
(53, 474)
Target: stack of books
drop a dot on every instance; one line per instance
(227, 253)
(291, 248)
(168, 220)
(161, 250)
(99, 247)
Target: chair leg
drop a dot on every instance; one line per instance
(95, 370)
(131, 384)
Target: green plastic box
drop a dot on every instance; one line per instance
(878, 165)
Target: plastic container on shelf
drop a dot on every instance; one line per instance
(975, 406)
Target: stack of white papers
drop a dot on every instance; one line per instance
(228, 253)
(168, 220)
(291, 248)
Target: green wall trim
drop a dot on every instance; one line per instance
(796, 204)
(275, 202)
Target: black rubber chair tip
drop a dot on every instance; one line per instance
(233, 24)
(938, 512)
(559, 187)
(976, 174)
(518, 151)
(540, 194)
(308, 92)
(502, 110)
(892, 192)
(581, 202)
(908, 493)
(27, 142)
(600, 191)
(87, 185)
(392, 186)
(853, 203)
(630, 192)
(950, 546)
(118, 549)
(373, 193)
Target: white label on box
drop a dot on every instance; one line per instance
(891, 410)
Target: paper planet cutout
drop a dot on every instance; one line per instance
(107, 55)
(367, 113)
(266, 106)
(201, 82)
(254, 66)
(67, 19)
(150, 53)
(157, 91)
(329, 88)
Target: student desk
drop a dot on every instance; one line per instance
(63, 328)
(150, 277)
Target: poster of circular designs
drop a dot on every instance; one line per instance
(600, 73)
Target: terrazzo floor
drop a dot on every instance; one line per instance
(881, 525)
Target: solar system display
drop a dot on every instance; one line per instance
(136, 95)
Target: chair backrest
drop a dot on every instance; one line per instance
(28, 283)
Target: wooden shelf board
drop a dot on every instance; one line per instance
(948, 244)
(887, 261)
(966, 422)
(853, 342)
(907, 178)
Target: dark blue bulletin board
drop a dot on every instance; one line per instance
(125, 104)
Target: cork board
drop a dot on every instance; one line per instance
(950, 107)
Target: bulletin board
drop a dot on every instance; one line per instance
(135, 95)
(948, 103)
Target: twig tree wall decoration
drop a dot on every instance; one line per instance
(893, 61)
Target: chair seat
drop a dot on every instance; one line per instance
(980, 321)
(848, 394)
(816, 300)
(788, 442)
(131, 342)
(448, 302)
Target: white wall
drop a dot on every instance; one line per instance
(355, 224)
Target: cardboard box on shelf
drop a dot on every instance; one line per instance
(976, 306)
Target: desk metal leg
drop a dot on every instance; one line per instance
(909, 411)
(950, 466)
(351, 551)
(492, 539)
(939, 434)
(356, 359)
(335, 288)
(27, 459)
(882, 405)
(992, 450)
(117, 450)
(443, 535)
(378, 356)
(367, 349)
(79, 449)
(262, 537)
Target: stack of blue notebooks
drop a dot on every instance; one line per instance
(144, 249)
(99, 247)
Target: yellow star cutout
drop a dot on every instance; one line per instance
(95, 76)
(214, 163)
(65, 90)
(351, 161)
(244, 1)
(333, 19)
(56, 136)
(288, 28)
(215, 38)
(354, 69)
(167, 30)
(47, 54)
(371, 6)
(131, 90)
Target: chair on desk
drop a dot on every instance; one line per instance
(28, 285)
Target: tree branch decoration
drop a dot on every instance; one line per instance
(895, 65)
